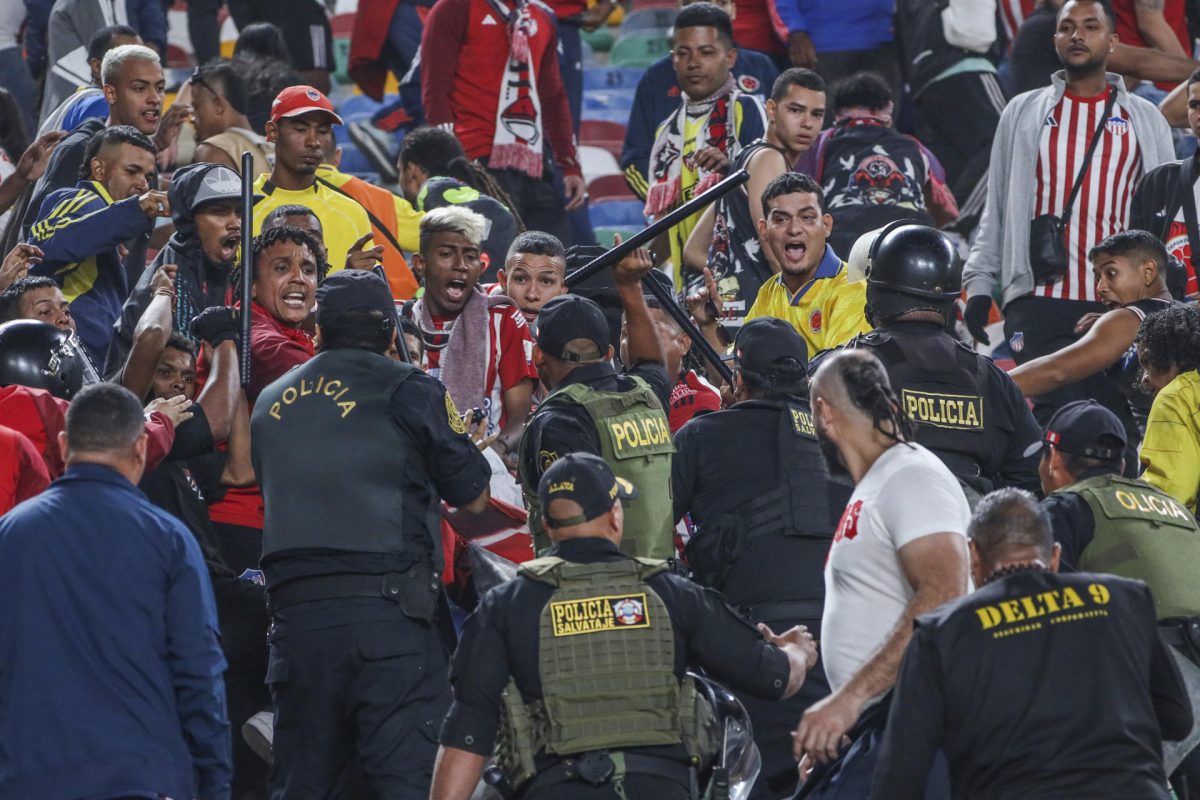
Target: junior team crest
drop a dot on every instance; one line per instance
(1116, 126)
(1016, 342)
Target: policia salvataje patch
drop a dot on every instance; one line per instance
(599, 614)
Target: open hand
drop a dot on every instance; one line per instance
(175, 408)
(17, 263)
(35, 158)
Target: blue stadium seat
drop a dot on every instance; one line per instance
(615, 99)
(616, 213)
(609, 78)
(353, 160)
(357, 104)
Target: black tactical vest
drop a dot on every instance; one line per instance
(329, 457)
(798, 506)
(942, 386)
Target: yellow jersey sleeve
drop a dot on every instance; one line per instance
(1170, 451)
(845, 313)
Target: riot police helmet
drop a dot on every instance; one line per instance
(41, 356)
(737, 761)
(911, 267)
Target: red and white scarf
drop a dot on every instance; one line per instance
(517, 142)
(666, 164)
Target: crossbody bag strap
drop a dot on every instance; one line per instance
(1087, 159)
(1187, 179)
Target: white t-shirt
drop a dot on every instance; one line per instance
(908, 493)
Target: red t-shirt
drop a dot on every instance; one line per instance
(40, 417)
(1175, 14)
(22, 471)
(692, 395)
(274, 349)
(510, 359)
(464, 53)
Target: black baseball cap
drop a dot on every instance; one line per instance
(1080, 428)
(351, 289)
(569, 317)
(585, 479)
(767, 345)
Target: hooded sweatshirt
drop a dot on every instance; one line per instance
(199, 283)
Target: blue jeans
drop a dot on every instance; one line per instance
(14, 76)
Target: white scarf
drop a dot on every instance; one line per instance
(517, 142)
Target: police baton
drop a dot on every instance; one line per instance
(247, 266)
(660, 293)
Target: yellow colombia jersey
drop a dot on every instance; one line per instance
(342, 220)
(1171, 448)
(827, 311)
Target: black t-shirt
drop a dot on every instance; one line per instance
(1034, 58)
(1037, 686)
(727, 459)
(1073, 525)
(563, 428)
(501, 640)
(188, 480)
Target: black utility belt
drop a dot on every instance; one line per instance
(775, 610)
(415, 589)
(596, 768)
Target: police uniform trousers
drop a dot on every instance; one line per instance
(635, 787)
(355, 681)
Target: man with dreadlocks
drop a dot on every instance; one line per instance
(899, 551)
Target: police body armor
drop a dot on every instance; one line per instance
(606, 660)
(635, 440)
(798, 507)
(328, 425)
(942, 386)
(1145, 534)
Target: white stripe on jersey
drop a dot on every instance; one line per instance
(1102, 206)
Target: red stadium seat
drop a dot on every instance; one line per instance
(610, 186)
(598, 130)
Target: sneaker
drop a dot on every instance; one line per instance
(259, 733)
(377, 147)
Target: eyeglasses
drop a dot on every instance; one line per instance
(196, 80)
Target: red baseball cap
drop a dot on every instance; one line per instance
(296, 100)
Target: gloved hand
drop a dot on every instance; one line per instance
(216, 325)
(976, 316)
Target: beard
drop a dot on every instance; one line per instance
(830, 454)
(1089, 67)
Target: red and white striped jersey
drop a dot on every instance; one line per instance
(1013, 13)
(1102, 206)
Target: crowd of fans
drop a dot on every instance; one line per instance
(1054, 144)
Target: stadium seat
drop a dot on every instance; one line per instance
(605, 235)
(598, 130)
(589, 55)
(610, 187)
(615, 212)
(638, 5)
(620, 115)
(353, 160)
(606, 78)
(342, 25)
(601, 39)
(596, 162)
(357, 104)
(341, 60)
(615, 100)
(644, 19)
(639, 49)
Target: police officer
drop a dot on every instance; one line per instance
(592, 409)
(1080, 689)
(1109, 523)
(764, 510)
(968, 411)
(354, 452)
(592, 646)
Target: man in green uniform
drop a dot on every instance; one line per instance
(1126, 527)
(593, 646)
(593, 409)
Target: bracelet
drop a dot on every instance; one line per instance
(165, 293)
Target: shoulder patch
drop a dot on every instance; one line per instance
(546, 458)
(453, 418)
